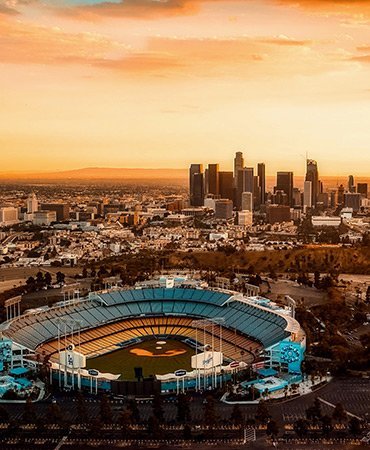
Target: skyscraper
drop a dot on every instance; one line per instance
(196, 184)
(362, 189)
(284, 182)
(245, 184)
(247, 201)
(226, 185)
(213, 179)
(312, 174)
(238, 165)
(256, 192)
(352, 200)
(307, 195)
(340, 197)
(261, 172)
(351, 184)
(32, 204)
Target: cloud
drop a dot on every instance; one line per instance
(23, 43)
(148, 9)
(361, 59)
(352, 8)
(7, 10)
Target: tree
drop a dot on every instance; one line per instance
(209, 412)
(84, 272)
(262, 415)
(314, 412)
(39, 278)
(354, 426)
(60, 277)
(237, 417)
(326, 425)
(96, 427)
(105, 410)
(125, 420)
(133, 408)
(55, 413)
(301, 427)
(183, 408)
(272, 429)
(158, 407)
(48, 279)
(31, 283)
(154, 428)
(339, 413)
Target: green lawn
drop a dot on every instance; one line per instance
(172, 356)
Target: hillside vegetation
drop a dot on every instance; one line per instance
(323, 259)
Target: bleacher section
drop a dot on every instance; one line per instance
(109, 337)
(143, 306)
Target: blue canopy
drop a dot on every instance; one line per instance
(266, 372)
(24, 382)
(18, 371)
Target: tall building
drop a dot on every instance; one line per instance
(247, 201)
(226, 185)
(312, 174)
(32, 203)
(198, 190)
(245, 184)
(362, 189)
(307, 195)
(261, 172)
(284, 182)
(8, 216)
(196, 185)
(213, 179)
(245, 218)
(351, 184)
(256, 193)
(62, 210)
(278, 214)
(352, 200)
(41, 217)
(340, 197)
(238, 165)
(297, 197)
(223, 209)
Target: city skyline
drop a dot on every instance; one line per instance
(154, 84)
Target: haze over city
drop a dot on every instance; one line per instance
(153, 84)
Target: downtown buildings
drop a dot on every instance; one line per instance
(246, 188)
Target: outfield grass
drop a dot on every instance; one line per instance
(172, 356)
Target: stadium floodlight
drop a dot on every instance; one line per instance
(200, 323)
(200, 326)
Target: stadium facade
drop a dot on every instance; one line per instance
(245, 331)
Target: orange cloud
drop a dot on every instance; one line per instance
(27, 43)
(135, 9)
(344, 7)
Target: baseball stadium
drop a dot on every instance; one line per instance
(160, 331)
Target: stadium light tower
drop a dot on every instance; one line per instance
(67, 330)
(203, 324)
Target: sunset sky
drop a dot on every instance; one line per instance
(163, 83)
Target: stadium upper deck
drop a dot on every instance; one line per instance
(248, 316)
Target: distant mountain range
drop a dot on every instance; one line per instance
(100, 173)
(134, 175)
